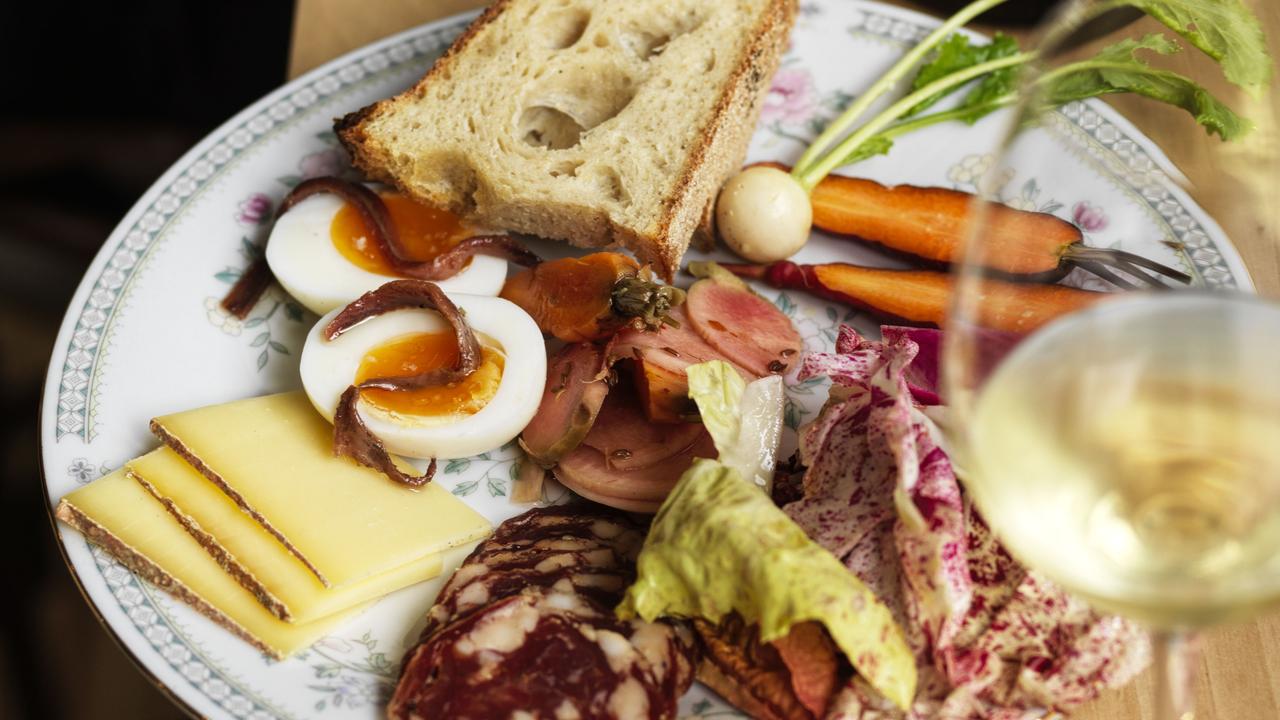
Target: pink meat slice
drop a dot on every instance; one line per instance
(585, 471)
(673, 348)
(743, 327)
(574, 393)
(628, 440)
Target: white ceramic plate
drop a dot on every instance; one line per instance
(144, 336)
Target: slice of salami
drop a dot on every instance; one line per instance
(743, 326)
(546, 655)
(525, 629)
(541, 548)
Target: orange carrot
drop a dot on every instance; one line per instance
(932, 223)
(592, 297)
(663, 392)
(921, 297)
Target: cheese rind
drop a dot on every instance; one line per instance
(251, 554)
(273, 456)
(116, 513)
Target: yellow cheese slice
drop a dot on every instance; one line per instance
(251, 554)
(116, 513)
(273, 456)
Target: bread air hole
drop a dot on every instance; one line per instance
(562, 28)
(568, 168)
(650, 39)
(644, 44)
(610, 183)
(547, 127)
(572, 102)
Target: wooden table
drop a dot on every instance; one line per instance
(1239, 676)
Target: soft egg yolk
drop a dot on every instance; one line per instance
(424, 231)
(423, 352)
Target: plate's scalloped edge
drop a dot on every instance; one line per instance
(97, 299)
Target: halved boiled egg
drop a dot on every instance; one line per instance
(321, 251)
(478, 414)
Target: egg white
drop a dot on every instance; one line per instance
(303, 258)
(329, 367)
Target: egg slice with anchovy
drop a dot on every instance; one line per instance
(323, 255)
(482, 412)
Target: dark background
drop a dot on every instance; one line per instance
(96, 101)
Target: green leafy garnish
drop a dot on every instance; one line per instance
(1118, 68)
(720, 545)
(959, 52)
(1225, 30)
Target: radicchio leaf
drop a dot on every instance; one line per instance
(991, 639)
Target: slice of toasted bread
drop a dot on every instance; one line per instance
(591, 121)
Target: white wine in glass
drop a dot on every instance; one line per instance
(1131, 451)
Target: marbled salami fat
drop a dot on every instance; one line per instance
(525, 629)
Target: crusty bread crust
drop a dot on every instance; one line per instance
(686, 212)
(724, 138)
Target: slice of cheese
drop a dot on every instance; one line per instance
(273, 456)
(251, 554)
(116, 513)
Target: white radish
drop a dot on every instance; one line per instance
(763, 214)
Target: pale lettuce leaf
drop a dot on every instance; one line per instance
(719, 545)
(745, 421)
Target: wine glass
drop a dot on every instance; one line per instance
(1130, 450)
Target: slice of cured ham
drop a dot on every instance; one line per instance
(626, 437)
(526, 629)
(640, 490)
(574, 392)
(743, 327)
(660, 359)
(673, 348)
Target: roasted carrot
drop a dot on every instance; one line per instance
(663, 392)
(932, 223)
(590, 298)
(921, 297)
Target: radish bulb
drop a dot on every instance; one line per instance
(763, 214)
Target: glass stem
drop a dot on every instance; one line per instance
(1177, 655)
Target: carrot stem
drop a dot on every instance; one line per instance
(885, 83)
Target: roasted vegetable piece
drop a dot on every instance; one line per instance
(791, 678)
(592, 297)
(920, 297)
(664, 392)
